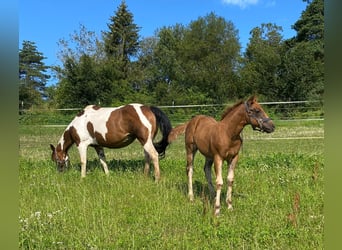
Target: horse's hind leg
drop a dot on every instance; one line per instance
(207, 171)
(102, 157)
(147, 163)
(151, 154)
(230, 179)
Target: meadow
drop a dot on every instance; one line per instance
(277, 196)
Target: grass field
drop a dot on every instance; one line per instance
(277, 196)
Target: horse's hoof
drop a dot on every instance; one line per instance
(191, 198)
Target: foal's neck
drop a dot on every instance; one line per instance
(235, 121)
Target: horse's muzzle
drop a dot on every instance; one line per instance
(62, 165)
(268, 126)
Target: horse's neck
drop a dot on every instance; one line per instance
(65, 141)
(235, 121)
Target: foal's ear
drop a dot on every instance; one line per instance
(52, 147)
(252, 99)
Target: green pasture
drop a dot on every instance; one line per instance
(277, 196)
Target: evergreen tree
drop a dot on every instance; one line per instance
(121, 42)
(32, 75)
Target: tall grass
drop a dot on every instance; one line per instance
(277, 198)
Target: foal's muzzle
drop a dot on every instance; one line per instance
(264, 125)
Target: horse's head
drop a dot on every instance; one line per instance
(60, 157)
(257, 116)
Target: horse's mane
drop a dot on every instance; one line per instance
(230, 109)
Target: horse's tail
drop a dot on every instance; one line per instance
(165, 127)
(178, 130)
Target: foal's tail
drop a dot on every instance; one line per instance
(178, 130)
(165, 127)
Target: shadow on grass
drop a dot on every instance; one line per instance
(116, 165)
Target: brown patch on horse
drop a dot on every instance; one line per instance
(80, 113)
(124, 132)
(99, 138)
(71, 136)
(96, 107)
(90, 129)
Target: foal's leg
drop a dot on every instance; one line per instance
(230, 180)
(82, 149)
(190, 155)
(102, 157)
(151, 154)
(219, 182)
(207, 171)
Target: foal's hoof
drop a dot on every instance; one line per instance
(191, 198)
(217, 211)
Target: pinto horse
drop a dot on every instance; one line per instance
(220, 141)
(118, 127)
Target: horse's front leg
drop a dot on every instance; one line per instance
(230, 180)
(219, 182)
(102, 157)
(82, 149)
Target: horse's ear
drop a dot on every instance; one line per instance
(52, 147)
(252, 99)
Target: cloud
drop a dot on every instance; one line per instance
(242, 3)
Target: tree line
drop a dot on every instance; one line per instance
(197, 63)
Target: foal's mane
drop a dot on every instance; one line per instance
(230, 109)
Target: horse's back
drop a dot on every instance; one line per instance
(199, 126)
(200, 122)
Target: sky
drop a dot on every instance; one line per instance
(45, 22)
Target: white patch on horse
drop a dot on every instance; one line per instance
(142, 117)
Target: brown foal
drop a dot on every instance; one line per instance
(220, 141)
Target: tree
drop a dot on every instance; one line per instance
(85, 82)
(81, 42)
(303, 65)
(86, 77)
(32, 75)
(121, 42)
(211, 51)
(262, 60)
(196, 63)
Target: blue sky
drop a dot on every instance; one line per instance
(46, 21)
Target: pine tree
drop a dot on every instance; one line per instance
(32, 75)
(122, 39)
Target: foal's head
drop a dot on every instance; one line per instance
(257, 116)
(60, 157)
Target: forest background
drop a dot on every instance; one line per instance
(196, 63)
